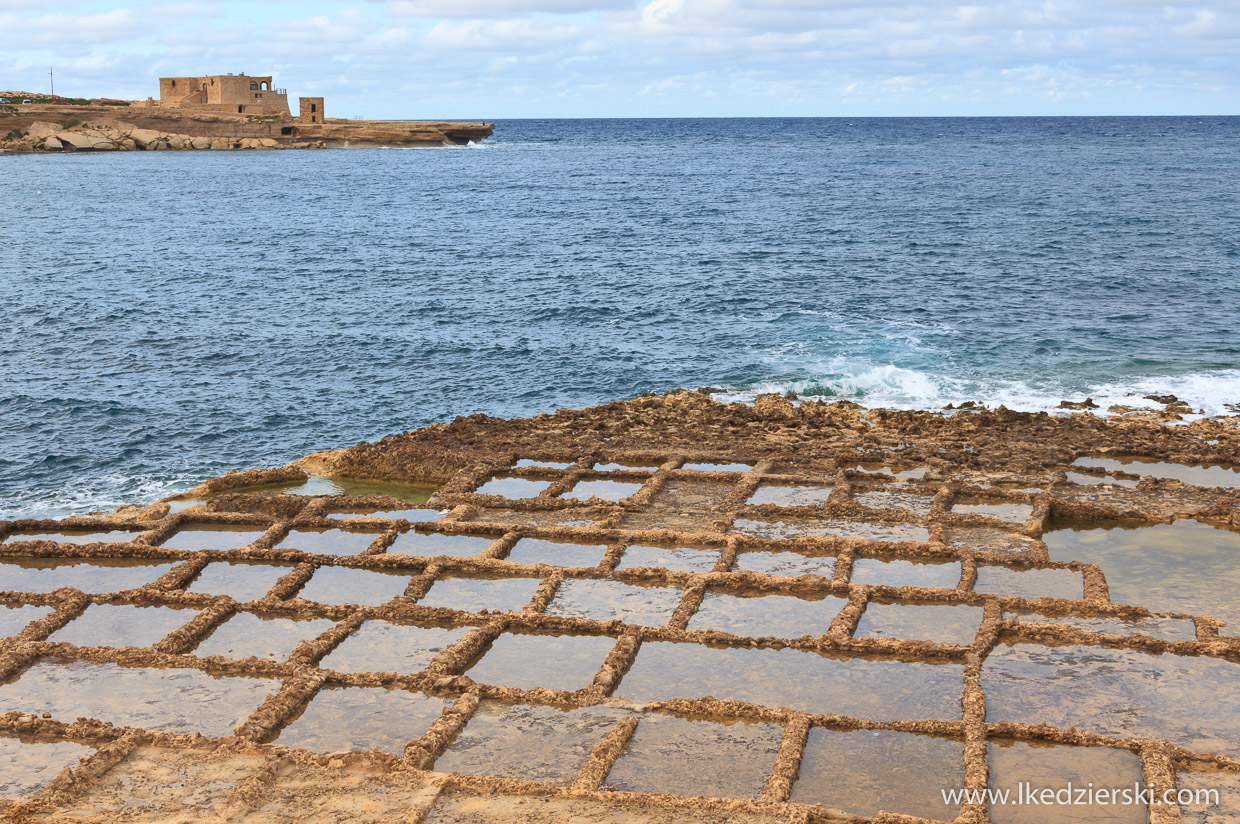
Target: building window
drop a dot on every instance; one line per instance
(253, 86)
(314, 107)
(240, 109)
(174, 84)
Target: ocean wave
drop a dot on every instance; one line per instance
(1210, 394)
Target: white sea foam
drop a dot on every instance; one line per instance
(1210, 394)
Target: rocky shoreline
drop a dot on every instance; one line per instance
(104, 136)
(63, 127)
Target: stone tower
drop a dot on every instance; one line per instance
(311, 110)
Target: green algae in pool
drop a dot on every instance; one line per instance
(1211, 475)
(864, 771)
(1050, 767)
(536, 743)
(780, 616)
(1191, 701)
(939, 623)
(274, 639)
(696, 757)
(240, 580)
(872, 689)
(1185, 566)
(27, 764)
(361, 718)
(173, 700)
(97, 575)
(379, 646)
(556, 662)
(316, 486)
(650, 606)
(122, 625)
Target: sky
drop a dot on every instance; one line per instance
(500, 59)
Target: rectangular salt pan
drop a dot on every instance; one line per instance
(165, 700)
(675, 755)
(614, 600)
(122, 625)
(780, 616)
(382, 647)
(362, 718)
(536, 743)
(1191, 701)
(556, 662)
(240, 580)
(869, 689)
(94, 576)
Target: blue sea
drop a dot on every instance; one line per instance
(170, 316)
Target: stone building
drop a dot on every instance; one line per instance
(311, 110)
(235, 93)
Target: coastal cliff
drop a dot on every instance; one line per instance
(106, 127)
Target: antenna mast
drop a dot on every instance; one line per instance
(53, 79)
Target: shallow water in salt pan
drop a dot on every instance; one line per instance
(785, 563)
(169, 700)
(537, 743)
(274, 639)
(432, 544)
(93, 576)
(556, 662)
(941, 624)
(1184, 566)
(122, 625)
(513, 487)
(790, 495)
(695, 757)
(1054, 767)
(896, 572)
(342, 585)
(195, 537)
(556, 553)
(870, 689)
(649, 606)
(1192, 701)
(781, 616)
(240, 580)
(378, 646)
(1190, 474)
(865, 771)
(328, 541)
(477, 593)
(14, 619)
(677, 559)
(362, 718)
(111, 536)
(27, 765)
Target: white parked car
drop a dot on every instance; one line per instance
(4, 101)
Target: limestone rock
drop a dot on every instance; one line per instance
(51, 144)
(201, 142)
(75, 141)
(41, 130)
(144, 138)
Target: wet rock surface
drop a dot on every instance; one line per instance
(914, 614)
